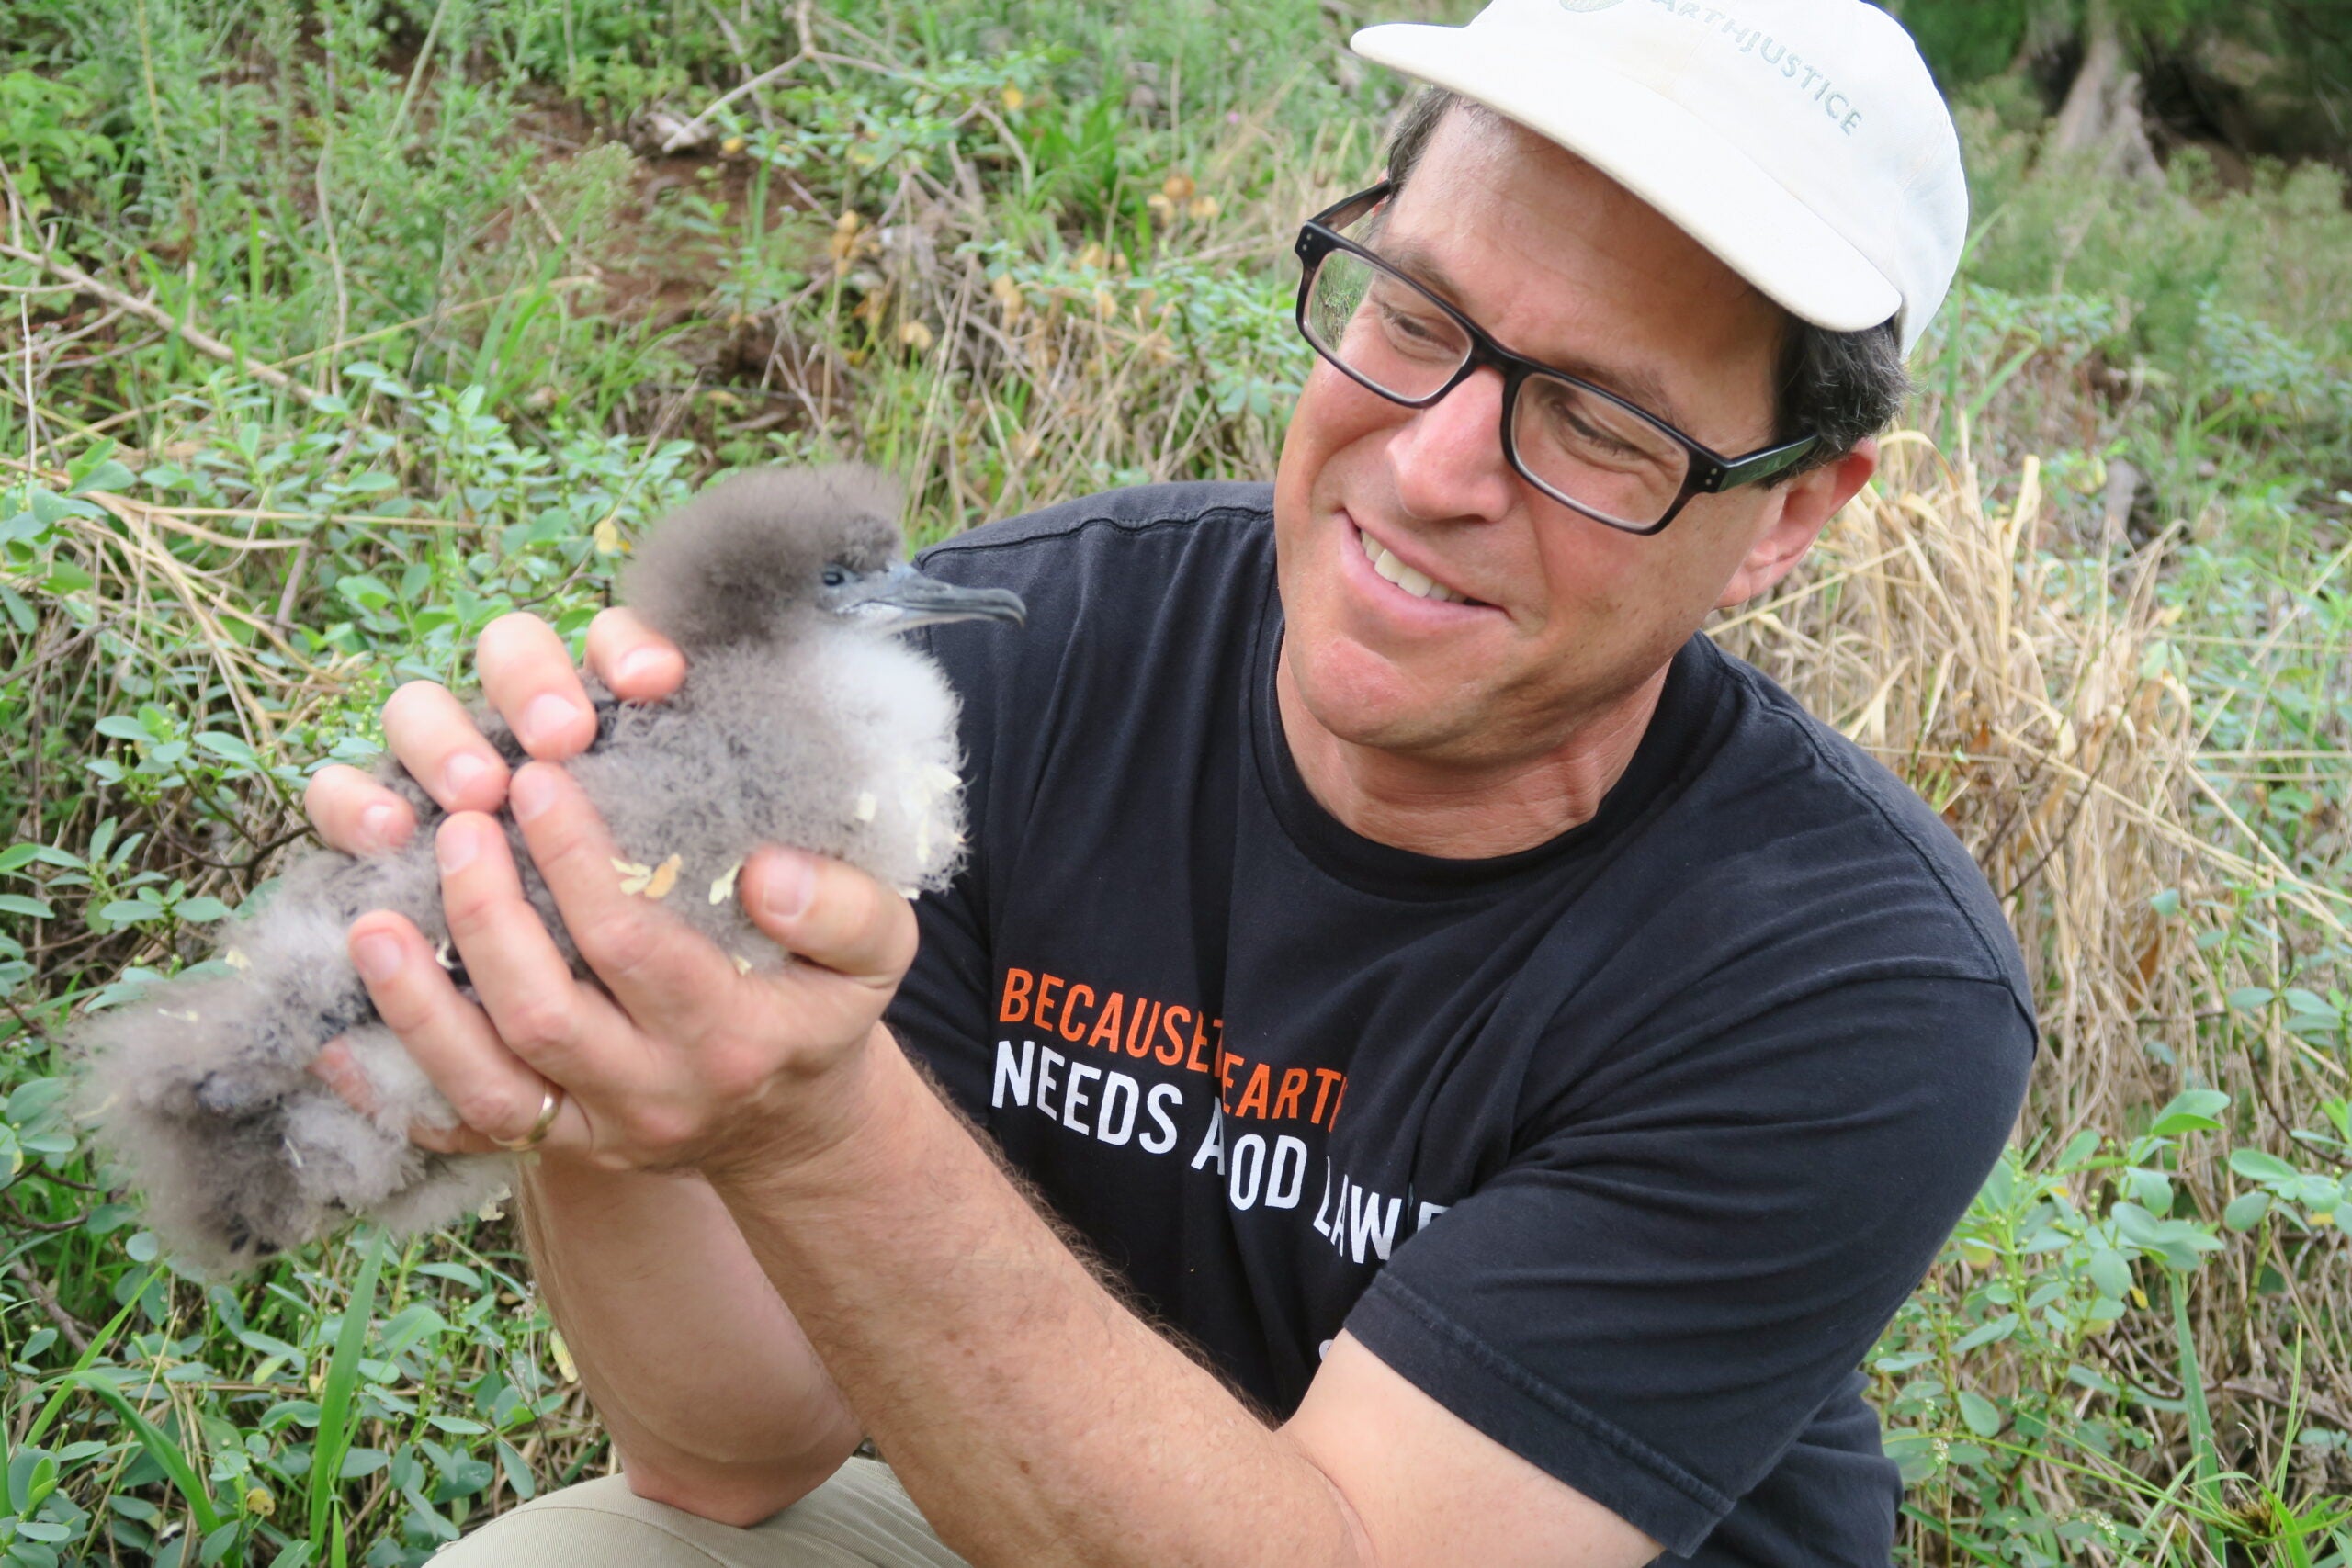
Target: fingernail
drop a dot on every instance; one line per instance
(456, 846)
(379, 824)
(789, 885)
(639, 664)
(533, 792)
(463, 770)
(546, 719)
(378, 956)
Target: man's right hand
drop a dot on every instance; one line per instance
(716, 1402)
(528, 674)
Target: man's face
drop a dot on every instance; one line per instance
(1568, 617)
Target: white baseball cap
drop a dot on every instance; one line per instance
(1803, 142)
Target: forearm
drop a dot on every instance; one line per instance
(715, 1401)
(1033, 1416)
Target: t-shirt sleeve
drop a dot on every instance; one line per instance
(1656, 1294)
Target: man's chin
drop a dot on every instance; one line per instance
(1405, 720)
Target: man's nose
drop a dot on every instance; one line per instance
(1447, 459)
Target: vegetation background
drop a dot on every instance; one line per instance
(334, 328)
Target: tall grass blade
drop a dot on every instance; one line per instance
(336, 1421)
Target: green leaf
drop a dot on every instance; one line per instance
(2252, 999)
(122, 727)
(1983, 1416)
(64, 577)
(2190, 1111)
(366, 591)
(233, 748)
(2079, 1147)
(107, 475)
(2260, 1165)
(2245, 1211)
(1998, 1329)
(23, 904)
(2110, 1271)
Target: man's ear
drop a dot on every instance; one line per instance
(1806, 504)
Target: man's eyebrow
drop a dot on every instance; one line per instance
(1633, 384)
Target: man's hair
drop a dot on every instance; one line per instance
(1842, 387)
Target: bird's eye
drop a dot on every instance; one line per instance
(835, 576)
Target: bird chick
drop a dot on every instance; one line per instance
(802, 721)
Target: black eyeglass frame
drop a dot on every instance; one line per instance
(1710, 471)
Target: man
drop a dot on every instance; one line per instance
(1484, 1066)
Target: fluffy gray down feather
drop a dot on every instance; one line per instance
(795, 726)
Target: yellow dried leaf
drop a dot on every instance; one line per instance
(664, 877)
(724, 888)
(1094, 254)
(607, 535)
(565, 1368)
(915, 335)
(743, 964)
(236, 960)
(1202, 206)
(1012, 97)
(259, 1503)
(732, 145)
(866, 805)
(1178, 186)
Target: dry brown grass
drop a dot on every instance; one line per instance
(2028, 694)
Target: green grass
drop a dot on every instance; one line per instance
(470, 328)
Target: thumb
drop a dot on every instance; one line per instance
(831, 914)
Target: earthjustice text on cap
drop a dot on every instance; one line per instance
(1801, 141)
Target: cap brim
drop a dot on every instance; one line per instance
(1694, 174)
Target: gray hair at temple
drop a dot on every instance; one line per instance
(1843, 387)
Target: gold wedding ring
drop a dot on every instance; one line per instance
(550, 1102)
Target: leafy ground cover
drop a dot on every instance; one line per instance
(336, 329)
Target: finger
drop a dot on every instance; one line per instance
(638, 663)
(337, 1067)
(546, 1017)
(491, 1090)
(436, 740)
(831, 914)
(654, 964)
(526, 673)
(356, 814)
(339, 1071)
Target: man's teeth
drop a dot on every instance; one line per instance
(1414, 583)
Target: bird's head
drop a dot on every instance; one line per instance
(770, 554)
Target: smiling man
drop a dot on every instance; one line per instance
(1464, 1069)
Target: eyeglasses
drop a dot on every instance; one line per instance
(1581, 444)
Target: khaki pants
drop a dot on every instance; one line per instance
(860, 1518)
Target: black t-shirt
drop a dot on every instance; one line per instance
(1623, 1148)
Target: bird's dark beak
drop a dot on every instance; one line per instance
(900, 598)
